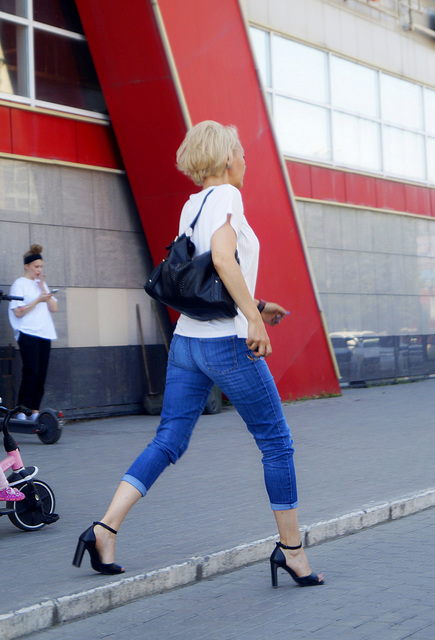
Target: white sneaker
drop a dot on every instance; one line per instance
(34, 417)
(21, 416)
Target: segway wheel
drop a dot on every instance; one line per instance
(48, 427)
(29, 518)
(214, 402)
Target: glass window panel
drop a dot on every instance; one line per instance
(431, 159)
(429, 108)
(354, 87)
(13, 50)
(58, 13)
(16, 7)
(356, 142)
(401, 102)
(65, 74)
(299, 70)
(302, 129)
(404, 153)
(260, 42)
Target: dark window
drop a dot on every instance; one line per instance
(58, 69)
(65, 74)
(58, 13)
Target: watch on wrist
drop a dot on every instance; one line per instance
(261, 304)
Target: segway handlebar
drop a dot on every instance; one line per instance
(5, 296)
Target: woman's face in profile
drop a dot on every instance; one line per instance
(34, 269)
(238, 167)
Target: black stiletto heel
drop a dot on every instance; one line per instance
(277, 559)
(87, 542)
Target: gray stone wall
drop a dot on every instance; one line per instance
(95, 253)
(375, 271)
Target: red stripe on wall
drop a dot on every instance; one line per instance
(47, 136)
(323, 183)
(5, 130)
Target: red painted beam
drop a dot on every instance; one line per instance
(144, 108)
(219, 80)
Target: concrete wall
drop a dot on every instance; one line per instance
(375, 271)
(95, 253)
(355, 29)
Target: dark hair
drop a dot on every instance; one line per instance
(34, 253)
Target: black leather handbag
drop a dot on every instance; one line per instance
(188, 284)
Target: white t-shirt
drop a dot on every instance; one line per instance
(37, 322)
(225, 200)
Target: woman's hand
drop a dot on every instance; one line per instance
(44, 296)
(273, 313)
(258, 340)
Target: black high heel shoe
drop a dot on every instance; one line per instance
(277, 559)
(87, 542)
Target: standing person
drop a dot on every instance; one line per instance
(227, 352)
(33, 329)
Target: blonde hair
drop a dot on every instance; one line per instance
(207, 150)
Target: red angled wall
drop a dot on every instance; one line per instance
(212, 56)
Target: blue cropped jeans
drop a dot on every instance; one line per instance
(194, 365)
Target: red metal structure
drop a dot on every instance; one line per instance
(165, 65)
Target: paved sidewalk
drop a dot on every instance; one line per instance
(379, 584)
(362, 458)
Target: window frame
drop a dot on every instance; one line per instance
(419, 130)
(31, 26)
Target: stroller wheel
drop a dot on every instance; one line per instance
(27, 515)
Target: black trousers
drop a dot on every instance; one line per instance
(35, 354)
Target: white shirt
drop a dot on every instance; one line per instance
(37, 322)
(225, 200)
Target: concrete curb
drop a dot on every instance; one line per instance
(98, 600)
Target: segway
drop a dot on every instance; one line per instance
(48, 427)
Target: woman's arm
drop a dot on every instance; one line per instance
(223, 249)
(22, 311)
(52, 303)
(44, 296)
(273, 313)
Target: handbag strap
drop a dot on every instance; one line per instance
(192, 224)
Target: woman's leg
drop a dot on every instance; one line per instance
(250, 387)
(29, 351)
(124, 499)
(288, 529)
(186, 393)
(43, 360)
